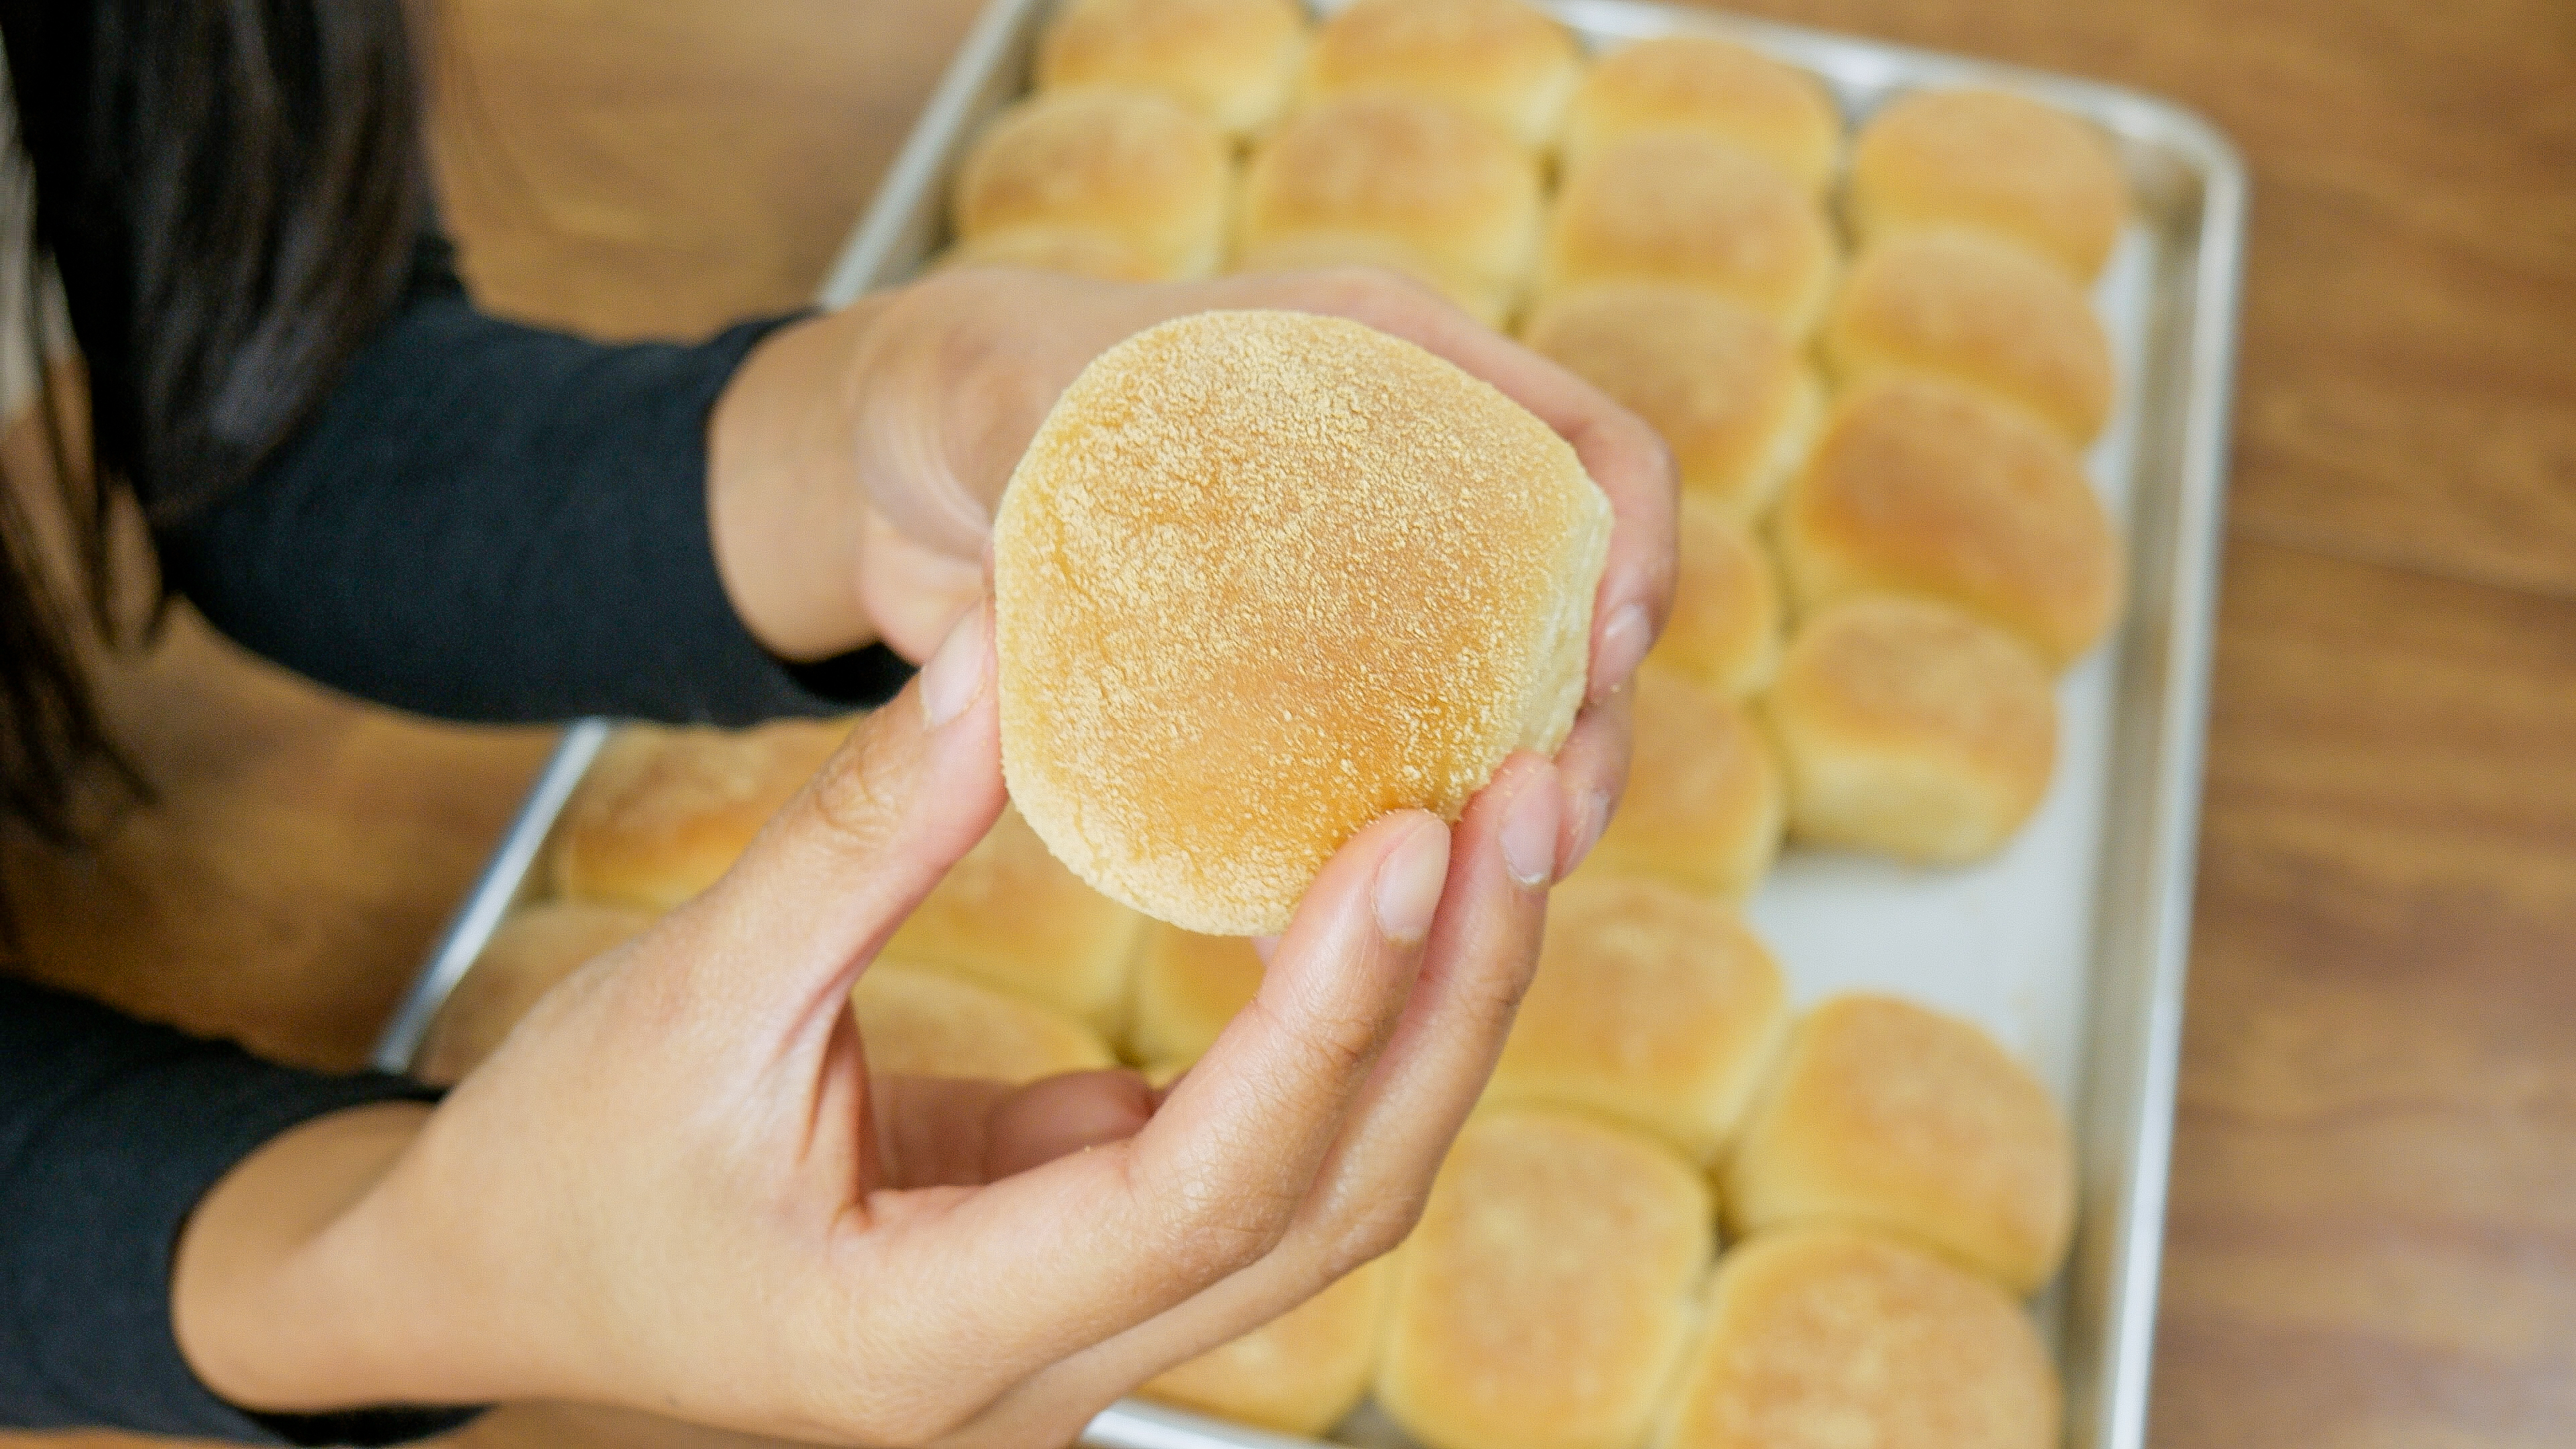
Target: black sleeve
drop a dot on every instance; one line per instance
(110, 1132)
(487, 521)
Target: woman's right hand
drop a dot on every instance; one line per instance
(674, 1188)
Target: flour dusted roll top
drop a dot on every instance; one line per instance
(1263, 577)
(663, 812)
(1231, 61)
(1715, 88)
(1993, 162)
(1130, 166)
(1680, 208)
(1502, 61)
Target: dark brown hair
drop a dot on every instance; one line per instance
(228, 192)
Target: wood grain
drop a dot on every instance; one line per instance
(2373, 1230)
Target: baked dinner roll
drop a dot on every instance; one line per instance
(1977, 311)
(1133, 167)
(1010, 916)
(1991, 162)
(663, 812)
(1230, 61)
(1704, 805)
(1188, 986)
(536, 947)
(1919, 486)
(1719, 89)
(1824, 1339)
(1908, 728)
(1722, 382)
(1650, 1005)
(1446, 199)
(1299, 1374)
(1502, 61)
(1069, 250)
(1541, 1302)
(918, 1023)
(1890, 1116)
(1724, 633)
(1263, 577)
(1674, 207)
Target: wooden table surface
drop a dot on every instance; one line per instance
(2372, 1238)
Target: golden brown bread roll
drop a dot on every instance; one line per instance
(1724, 632)
(1188, 986)
(922, 1023)
(1263, 577)
(1010, 916)
(1392, 180)
(1682, 209)
(1502, 61)
(1823, 1339)
(1980, 312)
(1231, 61)
(1722, 382)
(1719, 89)
(1906, 727)
(1704, 805)
(536, 947)
(1894, 1117)
(1133, 167)
(1650, 1005)
(1298, 1374)
(1993, 162)
(1072, 251)
(1542, 1301)
(663, 812)
(1919, 486)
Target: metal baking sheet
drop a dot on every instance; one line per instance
(2071, 945)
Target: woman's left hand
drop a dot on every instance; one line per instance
(857, 459)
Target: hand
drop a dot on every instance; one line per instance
(929, 395)
(674, 1188)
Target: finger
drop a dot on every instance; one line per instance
(772, 949)
(966, 1131)
(1099, 1241)
(1055, 1116)
(911, 592)
(1593, 767)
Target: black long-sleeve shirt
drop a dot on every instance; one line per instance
(485, 522)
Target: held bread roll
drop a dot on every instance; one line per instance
(1399, 181)
(1542, 1301)
(1704, 805)
(1682, 209)
(1724, 633)
(1823, 1339)
(1650, 1005)
(1908, 728)
(1502, 61)
(1991, 162)
(1921, 487)
(918, 1023)
(1133, 167)
(1072, 251)
(1893, 1117)
(1719, 89)
(1230, 61)
(1962, 306)
(663, 812)
(1010, 916)
(1263, 577)
(1722, 382)
(1298, 1374)
(1188, 986)
(531, 951)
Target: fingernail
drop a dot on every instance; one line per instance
(1624, 642)
(1529, 833)
(1409, 882)
(1592, 816)
(955, 675)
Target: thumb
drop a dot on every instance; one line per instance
(776, 945)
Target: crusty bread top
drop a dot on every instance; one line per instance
(1231, 61)
(1995, 161)
(1503, 61)
(1135, 166)
(1675, 207)
(1715, 87)
(1263, 577)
